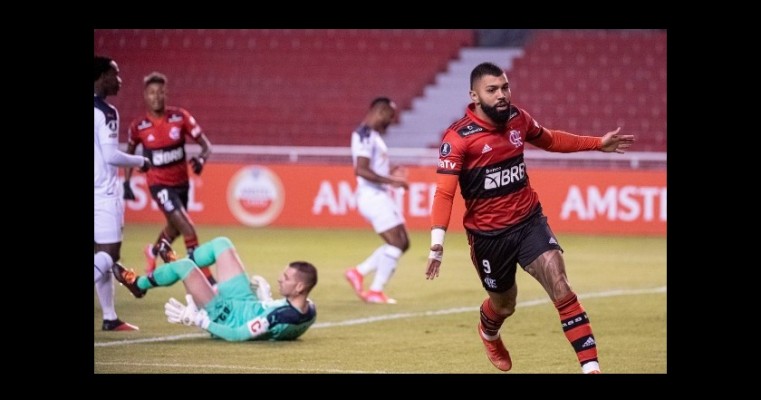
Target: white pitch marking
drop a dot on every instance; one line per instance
(388, 317)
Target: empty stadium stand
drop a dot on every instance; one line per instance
(591, 81)
(305, 87)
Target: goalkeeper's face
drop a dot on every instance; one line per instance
(290, 283)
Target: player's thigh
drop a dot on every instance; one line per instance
(168, 198)
(380, 210)
(109, 220)
(495, 260)
(536, 239)
(229, 265)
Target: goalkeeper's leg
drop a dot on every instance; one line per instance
(167, 274)
(221, 251)
(185, 270)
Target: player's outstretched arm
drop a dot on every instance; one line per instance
(613, 141)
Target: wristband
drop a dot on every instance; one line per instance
(437, 236)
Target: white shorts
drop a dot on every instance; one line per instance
(109, 220)
(379, 208)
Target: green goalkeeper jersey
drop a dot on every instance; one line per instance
(236, 310)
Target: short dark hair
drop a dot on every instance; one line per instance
(154, 77)
(307, 271)
(102, 65)
(482, 69)
(380, 100)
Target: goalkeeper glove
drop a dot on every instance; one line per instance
(197, 164)
(190, 315)
(128, 193)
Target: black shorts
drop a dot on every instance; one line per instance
(495, 258)
(171, 198)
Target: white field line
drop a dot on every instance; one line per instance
(387, 317)
(245, 369)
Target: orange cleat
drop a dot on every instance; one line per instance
(496, 351)
(371, 296)
(150, 258)
(165, 251)
(118, 325)
(128, 279)
(355, 280)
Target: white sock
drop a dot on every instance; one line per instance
(488, 337)
(371, 263)
(104, 284)
(386, 267)
(103, 263)
(590, 366)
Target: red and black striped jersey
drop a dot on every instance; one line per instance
(492, 173)
(163, 141)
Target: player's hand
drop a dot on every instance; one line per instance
(261, 287)
(146, 165)
(434, 261)
(399, 176)
(190, 315)
(613, 141)
(197, 164)
(128, 193)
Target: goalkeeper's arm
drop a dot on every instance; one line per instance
(251, 330)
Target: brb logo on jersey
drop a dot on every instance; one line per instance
(515, 138)
(498, 177)
(255, 196)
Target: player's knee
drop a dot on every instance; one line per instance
(505, 308)
(221, 244)
(183, 267)
(393, 251)
(404, 245)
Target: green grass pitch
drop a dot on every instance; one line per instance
(432, 329)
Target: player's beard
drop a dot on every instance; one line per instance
(498, 117)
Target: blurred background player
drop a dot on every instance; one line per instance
(240, 309)
(162, 133)
(504, 221)
(108, 205)
(371, 166)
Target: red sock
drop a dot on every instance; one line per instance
(165, 236)
(577, 329)
(490, 320)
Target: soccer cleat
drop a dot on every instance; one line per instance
(496, 351)
(165, 251)
(371, 296)
(355, 280)
(150, 258)
(118, 325)
(128, 279)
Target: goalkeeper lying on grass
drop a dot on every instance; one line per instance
(239, 309)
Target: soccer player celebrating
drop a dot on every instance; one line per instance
(505, 225)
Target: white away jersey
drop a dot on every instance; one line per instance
(366, 142)
(106, 132)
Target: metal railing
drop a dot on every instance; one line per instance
(425, 156)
